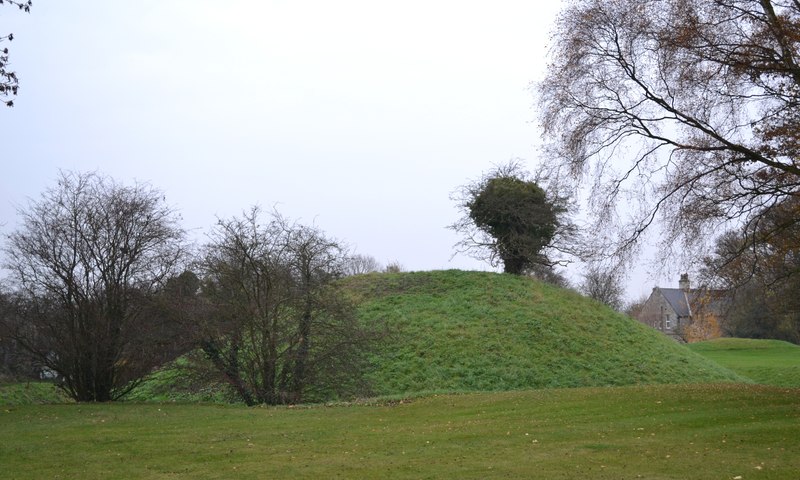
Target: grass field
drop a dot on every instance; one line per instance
(770, 362)
(456, 332)
(724, 431)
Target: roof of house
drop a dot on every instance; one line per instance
(682, 301)
(678, 299)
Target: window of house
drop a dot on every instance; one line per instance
(669, 321)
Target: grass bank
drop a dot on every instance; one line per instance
(478, 331)
(30, 393)
(770, 362)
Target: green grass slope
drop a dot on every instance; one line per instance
(30, 393)
(771, 362)
(478, 331)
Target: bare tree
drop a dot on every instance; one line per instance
(279, 331)
(686, 111)
(358, 264)
(89, 256)
(14, 363)
(394, 267)
(634, 308)
(9, 83)
(603, 285)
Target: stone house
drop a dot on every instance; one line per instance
(679, 312)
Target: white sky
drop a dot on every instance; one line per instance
(359, 116)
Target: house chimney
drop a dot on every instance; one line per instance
(684, 283)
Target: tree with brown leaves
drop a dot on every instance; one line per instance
(759, 266)
(686, 111)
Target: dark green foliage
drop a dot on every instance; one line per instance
(510, 220)
(519, 216)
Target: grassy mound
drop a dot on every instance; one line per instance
(177, 381)
(30, 393)
(476, 331)
(771, 362)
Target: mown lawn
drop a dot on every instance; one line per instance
(770, 362)
(724, 431)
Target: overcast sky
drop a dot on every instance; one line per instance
(361, 117)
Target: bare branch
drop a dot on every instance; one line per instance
(692, 107)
